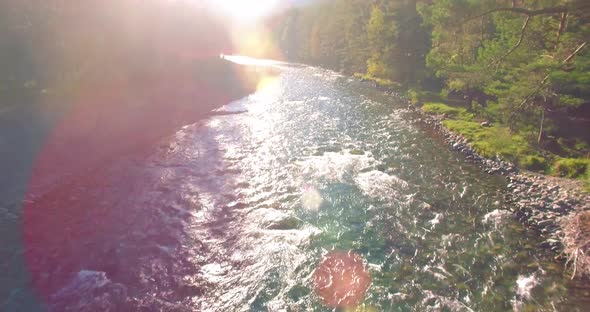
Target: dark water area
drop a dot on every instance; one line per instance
(234, 213)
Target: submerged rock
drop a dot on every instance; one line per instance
(273, 219)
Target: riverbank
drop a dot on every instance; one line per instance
(557, 208)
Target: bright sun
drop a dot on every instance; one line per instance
(244, 10)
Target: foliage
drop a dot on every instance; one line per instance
(452, 112)
(571, 167)
(515, 63)
(384, 39)
(414, 96)
(492, 141)
(529, 55)
(384, 83)
(534, 162)
(381, 35)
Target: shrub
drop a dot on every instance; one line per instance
(413, 95)
(385, 83)
(492, 141)
(450, 111)
(493, 111)
(440, 108)
(571, 167)
(533, 162)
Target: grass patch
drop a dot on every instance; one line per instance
(417, 96)
(498, 140)
(449, 111)
(572, 168)
(495, 141)
(384, 83)
(534, 162)
(492, 141)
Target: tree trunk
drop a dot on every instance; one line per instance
(540, 138)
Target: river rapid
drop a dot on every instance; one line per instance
(235, 212)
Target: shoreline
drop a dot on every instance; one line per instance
(552, 206)
(547, 204)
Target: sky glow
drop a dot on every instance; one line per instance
(244, 10)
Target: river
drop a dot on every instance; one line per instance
(235, 212)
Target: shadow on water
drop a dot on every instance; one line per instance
(82, 162)
(118, 236)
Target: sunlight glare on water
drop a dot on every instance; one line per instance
(332, 168)
(246, 60)
(316, 192)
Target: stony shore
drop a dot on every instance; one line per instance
(558, 209)
(548, 204)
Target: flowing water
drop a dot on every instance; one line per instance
(234, 213)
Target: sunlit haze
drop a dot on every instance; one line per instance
(244, 10)
(294, 155)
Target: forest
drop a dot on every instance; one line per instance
(512, 76)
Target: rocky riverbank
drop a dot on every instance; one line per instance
(556, 208)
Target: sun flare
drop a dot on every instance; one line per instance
(244, 10)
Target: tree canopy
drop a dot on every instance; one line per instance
(517, 59)
(530, 55)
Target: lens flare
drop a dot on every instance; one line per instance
(341, 279)
(311, 199)
(244, 10)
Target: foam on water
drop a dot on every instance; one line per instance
(379, 184)
(332, 166)
(89, 291)
(524, 288)
(496, 217)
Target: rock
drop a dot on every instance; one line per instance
(544, 222)
(273, 219)
(288, 223)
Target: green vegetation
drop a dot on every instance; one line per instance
(499, 140)
(443, 109)
(522, 66)
(380, 82)
(384, 40)
(571, 167)
(533, 162)
(493, 141)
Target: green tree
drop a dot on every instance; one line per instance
(381, 35)
(531, 56)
